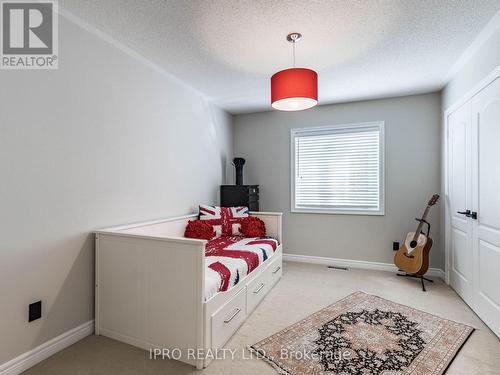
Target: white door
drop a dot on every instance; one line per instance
(459, 199)
(486, 202)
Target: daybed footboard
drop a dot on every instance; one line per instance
(150, 291)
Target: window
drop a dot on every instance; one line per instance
(338, 169)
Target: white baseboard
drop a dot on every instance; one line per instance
(51, 347)
(349, 263)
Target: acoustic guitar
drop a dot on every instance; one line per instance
(413, 256)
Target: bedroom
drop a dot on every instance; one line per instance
(132, 122)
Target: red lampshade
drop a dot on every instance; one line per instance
(294, 89)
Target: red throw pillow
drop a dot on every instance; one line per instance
(252, 227)
(199, 229)
(225, 220)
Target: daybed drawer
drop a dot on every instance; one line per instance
(275, 269)
(257, 289)
(228, 318)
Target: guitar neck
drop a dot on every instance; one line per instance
(421, 223)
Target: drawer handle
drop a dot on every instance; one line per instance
(235, 312)
(277, 269)
(259, 288)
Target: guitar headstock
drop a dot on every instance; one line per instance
(433, 200)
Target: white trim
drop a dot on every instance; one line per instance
(483, 36)
(337, 212)
(492, 76)
(31, 358)
(350, 263)
(381, 210)
(445, 201)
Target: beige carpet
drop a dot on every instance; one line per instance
(303, 290)
(365, 334)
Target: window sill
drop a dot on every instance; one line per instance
(338, 212)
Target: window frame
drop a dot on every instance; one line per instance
(336, 211)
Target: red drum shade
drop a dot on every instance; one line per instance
(294, 89)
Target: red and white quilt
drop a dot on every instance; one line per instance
(224, 220)
(229, 259)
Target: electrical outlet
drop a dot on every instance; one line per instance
(395, 245)
(35, 311)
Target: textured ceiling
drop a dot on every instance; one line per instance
(228, 49)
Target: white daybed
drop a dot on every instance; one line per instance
(150, 288)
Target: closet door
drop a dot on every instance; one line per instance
(486, 201)
(459, 200)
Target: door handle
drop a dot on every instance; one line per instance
(473, 215)
(466, 213)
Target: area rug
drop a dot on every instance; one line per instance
(365, 334)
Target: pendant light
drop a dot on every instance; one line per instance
(294, 89)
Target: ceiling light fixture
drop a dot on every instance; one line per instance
(294, 89)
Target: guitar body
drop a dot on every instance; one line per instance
(414, 260)
(413, 256)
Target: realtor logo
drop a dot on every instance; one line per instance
(29, 35)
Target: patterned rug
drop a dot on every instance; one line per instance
(365, 334)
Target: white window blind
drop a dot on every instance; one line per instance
(338, 169)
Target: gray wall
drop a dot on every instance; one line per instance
(412, 130)
(104, 140)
